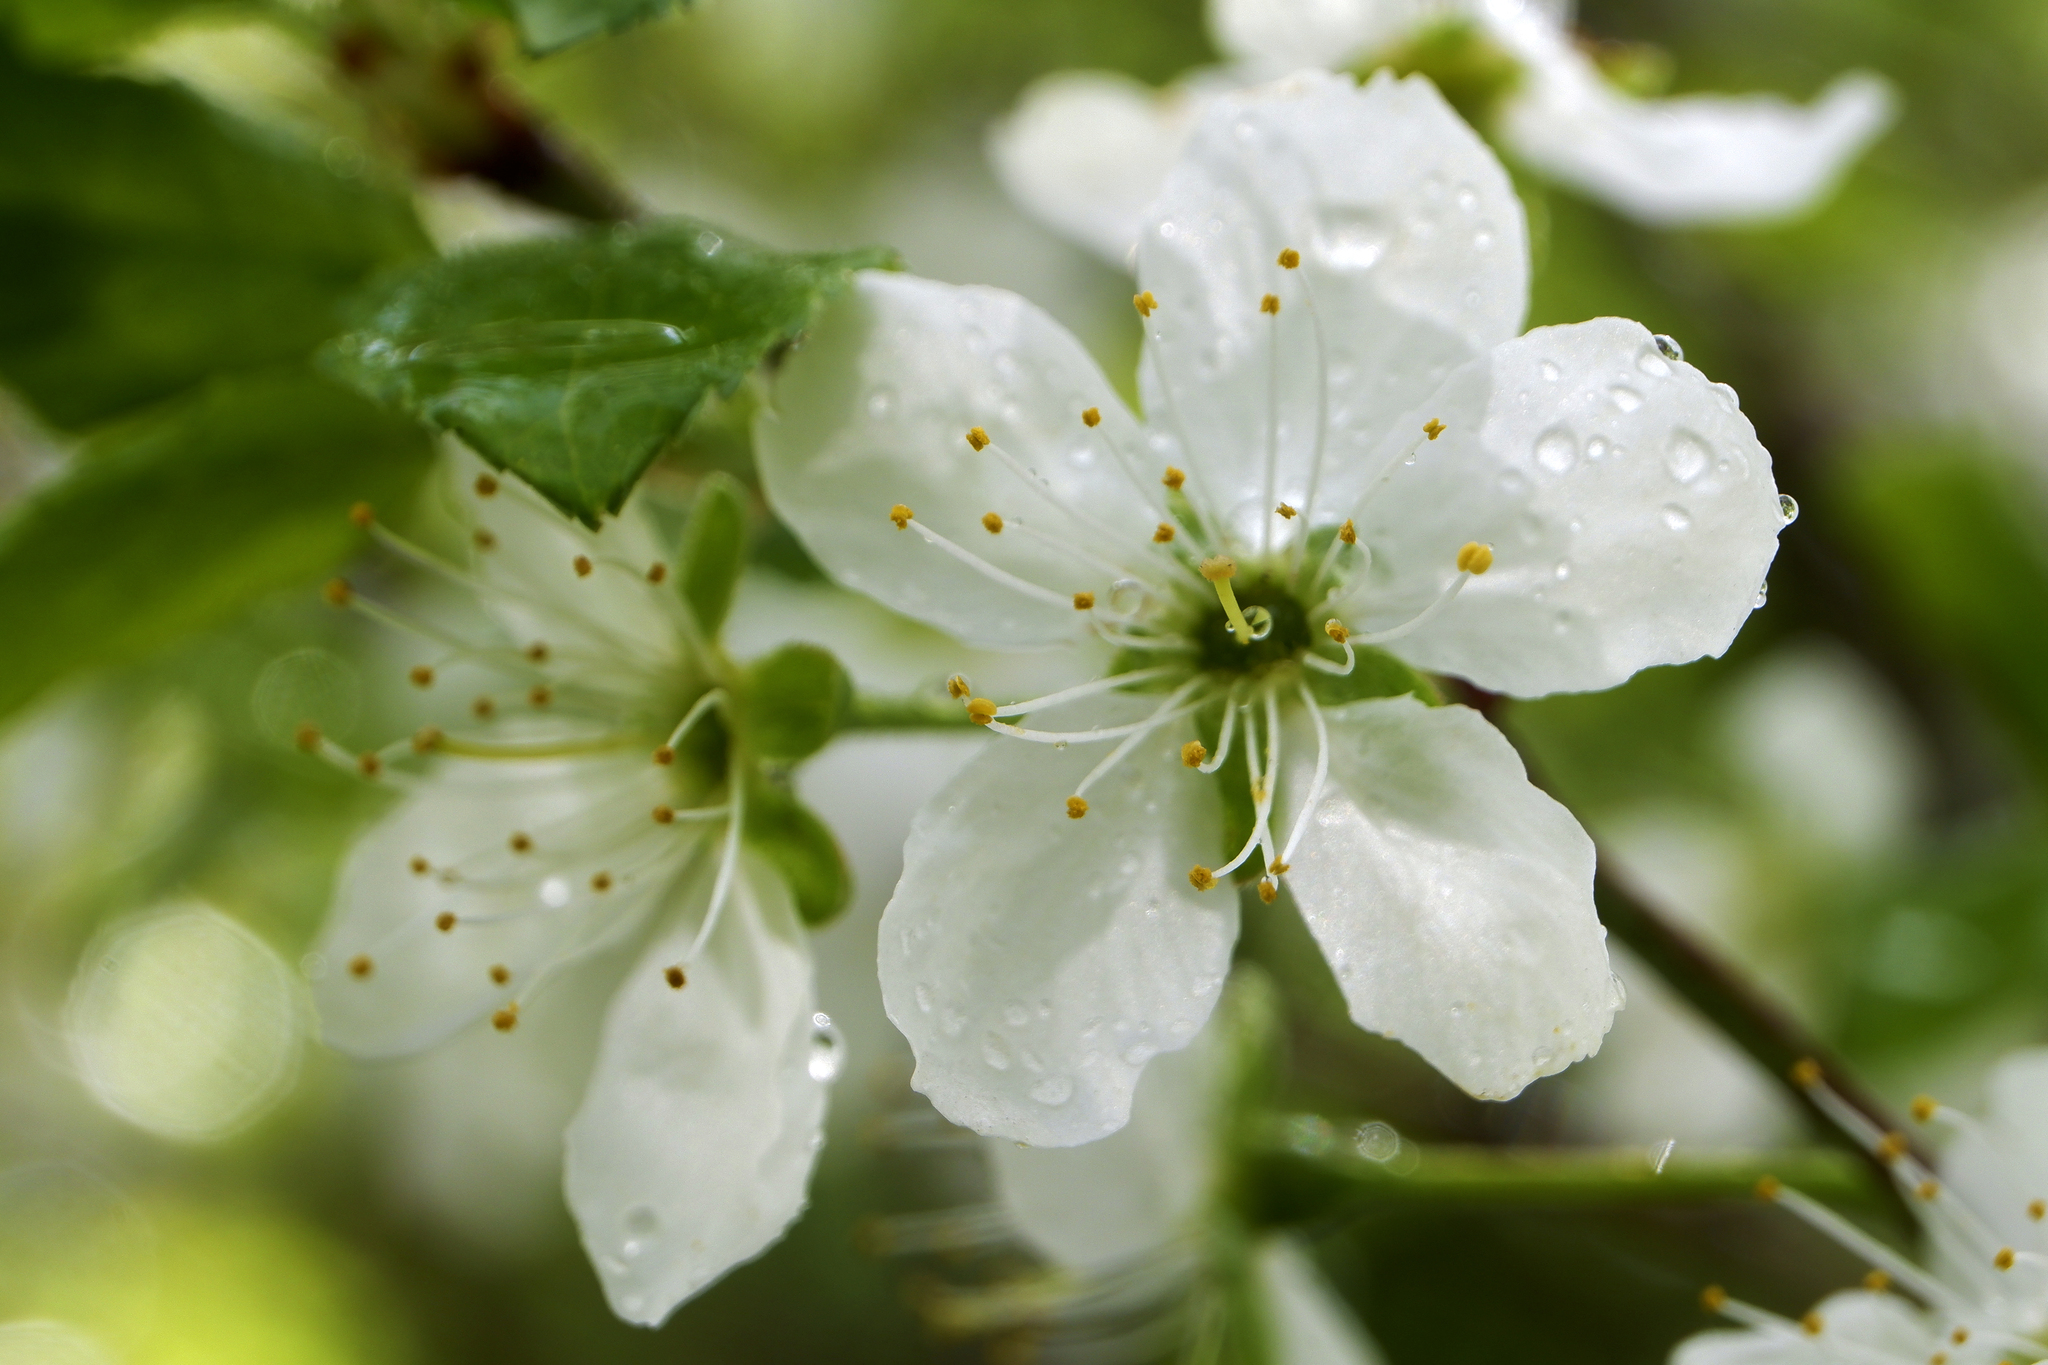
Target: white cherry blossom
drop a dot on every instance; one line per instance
(1086, 151)
(567, 813)
(1346, 444)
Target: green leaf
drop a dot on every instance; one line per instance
(551, 25)
(785, 832)
(172, 522)
(572, 361)
(147, 242)
(84, 30)
(714, 550)
(793, 702)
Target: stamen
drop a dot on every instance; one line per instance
(982, 566)
(520, 843)
(1219, 570)
(500, 973)
(1163, 535)
(901, 515)
(1289, 258)
(1286, 513)
(1084, 601)
(1475, 558)
(1336, 630)
(445, 921)
(1087, 689)
(1174, 478)
(977, 438)
(483, 538)
(1315, 786)
(1223, 737)
(582, 565)
(485, 485)
(981, 711)
(1165, 711)
(1262, 788)
(676, 977)
(1859, 1244)
(1192, 753)
(361, 515)
(957, 687)
(1076, 808)
(540, 695)
(420, 866)
(1144, 303)
(1423, 617)
(1270, 304)
(1091, 417)
(483, 707)
(337, 592)
(728, 866)
(506, 1019)
(666, 754)
(307, 736)
(1201, 878)
(992, 523)
(657, 572)
(361, 967)
(1080, 736)
(1347, 534)
(1269, 890)
(1433, 428)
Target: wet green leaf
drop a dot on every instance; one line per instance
(572, 361)
(714, 550)
(793, 702)
(784, 831)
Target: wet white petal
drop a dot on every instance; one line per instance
(1279, 36)
(695, 1142)
(1035, 962)
(1453, 900)
(875, 410)
(1311, 1325)
(1412, 246)
(1105, 1202)
(1855, 1325)
(1694, 159)
(523, 911)
(1085, 152)
(1631, 511)
(2018, 1106)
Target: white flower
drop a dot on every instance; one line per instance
(542, 835)
(1981, 1294)
(1333, 279)
(1086, 151)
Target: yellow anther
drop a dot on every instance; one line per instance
(1335, 630)
(483, 707)
(1805, 1073)
(1877, 1282)
(1219, 568)
(1923, 1108)
(445, 921)
(656, 572)
(901, 515)
(506, 1019)
(956, 686)
(664, 815)
(537, 652)
(420, 866)
(1960, 1335)
(664, 755)
(981, 710)
(500, 973)
(1084, 601)
(1474, 558)
(426, 739)
(1891, 1147)
(1281, 869)
(1289, 258)
(977, 438)
(1926, 1190)
(1811, 1323)
(361, 515)
(1769, 1188)
(1347, 532)
(601, 882)
(1144, 303)
(485, 485)
(1091, 417)
(2037, 1210)
(307, 736)
(484, 539)
(1201, 878)
(1938, 1358)
(1286, 513)
(1076, 807)
(370, 765)
(421, 676)
(1269, 890)
(1713, 1298)
(1162, 534)
(337, 592)
(1433, 428)
(991, 523)
(2004, 1259)
(676, 978)
(520, 843)
(1270, 304)
(540, 695)
(1193, 753)
(1173, 478)
(360, 966)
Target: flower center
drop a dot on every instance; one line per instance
(1218, 648)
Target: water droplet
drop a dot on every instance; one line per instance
(1617, 994)
(1543, 1056)
(881, 402)
(1549, 371)
(1053, 1090)
(952, 1022)
(642, 1221)
(1457, 1010)
(1557, 450)
(1260, 620)
(1016, 1015)
(1688, 457)
(1468, 198)
(1788, 509)
(709, 242)
(1625, 398)
(1651, 361)
(1310, 1134)
(1376, 1141)
(1138, 1054)
(1676, 517)
(1349, 239)
(1563, 570)
(1763, 593)
(828, 1048)
(554, 892)
(995, 1052)
(924, 997)
(1670, 349)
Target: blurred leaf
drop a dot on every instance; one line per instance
(785, 832)
(572, 361)
(793, 702)
(80, 30)
(714, 550)
(549, 25)
(179, 518)
(147, 241)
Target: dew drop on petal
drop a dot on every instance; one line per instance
(924, 997)
(1670, 349)
(1053, 1091)
(1549, 371)
(554, 892)
(1596, 448)
(1651, 361)
(1514, 483)
(828, 1048)
(1763, 593)
(1676, 517)
(1625, 398)
(1351, 240)
(1557, 450)
(1687, 458)
(1617, 993)
(1016, 1015)
(1788, 509)
(995, 1052)
(1563, 570)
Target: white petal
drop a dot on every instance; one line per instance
(1085, 152)
(1630, 508)
(2018, 1106)
(1453, 900)
(1884, 1324)
(1105, 1202)
(874, 410)
(1743, 1347)
(1311, 1325)
(1036, 963)
(1412, 246)
(528, 912)
(1286, 35)
(696, 1139)
(1694, 159)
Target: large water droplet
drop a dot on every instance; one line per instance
(1563, 570)
(1053, 1090)
(995, 1052)
(1788, 509)
(1376, 1141)
(1671, 349)
(1763, 593)
(1597, 448)
(1482, 240)
(1651, 361)
(554, 892)
(1625, 398)
(1676, 517)
(1688, 457)
(709, 242)
(1468, 198)
(1617, 994)
(1557, 450)
(1350, 239)
(828, 1048)
(1549, 371)
(1259, 619)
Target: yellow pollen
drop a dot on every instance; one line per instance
(361, 515)
(421, 676)
(483, 707)
(956, 687)
(901, 515)
(1286, 513)
(2004, 1259)
(1201, 878)
(582, 565)
(370, 765)
(1768, 1188)
(360, 966)
(664, 755)
(1433, 428)
(1713, 1298)
(1960, 1335)
(981, 710)
(1335, 630)
(1163, 534)
(537, 652)
(1811, 1324)
(500, 973)
(664, 815)
(426, 738)
(1289, 259)
(1281, 869)
(1269, 890)
(1347, 532)
(1076, 808)
(1173, 478)
(307, 736)
(520, 843)
(1091, 417)
(485, 485)
(1474, 558)
(977, 438)
(1193, 753)
(656, 572)
(1805, 1073)
(1144, 303)
(1270, 304)
(1891, 1147)
(420, 866)
(2037, 1210)
(1219, 568)
(1923, 1108)
(676, 978)
(1927, 1189)
(540, 695)
(991, 523)
(506, 1019)
(601, 882)
(337, 592)
(1938, 1358)
(484, 539)
(1084, 601)
(1877, 1282)
(445, 921)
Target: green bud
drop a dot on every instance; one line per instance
(785, 832)
(714, 548)
(792, 702)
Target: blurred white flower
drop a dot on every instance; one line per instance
(540, 834)
(1327, 268)
(1087, 151)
